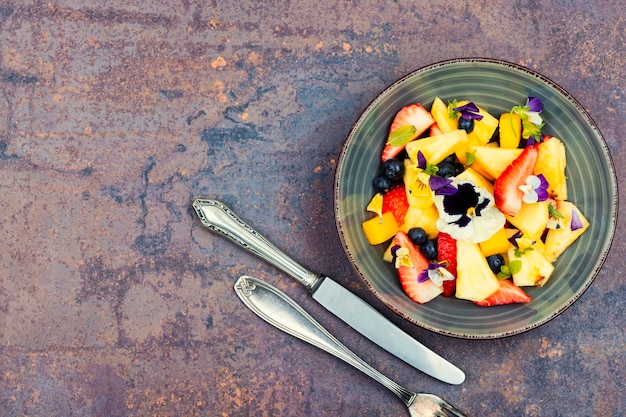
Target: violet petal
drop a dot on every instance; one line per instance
(513, 239)
(576, 223)
(534, 103)
(542, 194)
(435, 182)
(471, 107)
(432, 266)
(474, 116)
(441, 186)
(446, 190)
(421, 160)
(423, 276)
(469, 111)
(544, 182)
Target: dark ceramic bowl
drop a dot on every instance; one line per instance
(496, 86)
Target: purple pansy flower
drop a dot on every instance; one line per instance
(469, 111)
(401, 256)
(534, 104)
(535, 189)
(440, 185)
(436, 272)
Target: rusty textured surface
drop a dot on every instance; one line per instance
(114, 115)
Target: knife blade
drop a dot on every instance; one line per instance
(354, 311)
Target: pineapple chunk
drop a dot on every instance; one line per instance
(426, 218)
(535, 268)
(461, 153)
(475, 281)
(484, 128)
(436, 148)
(510, 130)
(380, 229)
(531, 219)
(551, 163)
(376, 204)
(557, 240)
(388, 256)
(493, 161)
(470, 174)
(439, 111)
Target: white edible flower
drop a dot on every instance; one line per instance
(468, 214)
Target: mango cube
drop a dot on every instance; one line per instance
(496, 244)
(510, 130)
(380, 229)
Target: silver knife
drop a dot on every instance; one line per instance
(355, 312)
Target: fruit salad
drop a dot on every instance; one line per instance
(472, 205)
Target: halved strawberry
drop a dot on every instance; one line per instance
(435, 130)
(412, 115)
(420, 292)
(395, 200)
(446, 249)
(508, 293)
(506, 190)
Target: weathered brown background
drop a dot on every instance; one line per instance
(115, 115)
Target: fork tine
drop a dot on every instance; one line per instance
(450, 410)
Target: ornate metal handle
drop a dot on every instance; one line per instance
(218, 218)
(276, 308)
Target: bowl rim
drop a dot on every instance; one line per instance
(602, 142)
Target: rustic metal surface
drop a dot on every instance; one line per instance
(114, 301)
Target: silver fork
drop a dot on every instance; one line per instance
(279, 310)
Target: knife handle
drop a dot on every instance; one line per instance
(218, 218)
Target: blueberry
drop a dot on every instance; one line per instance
(393, 169)
(382, 184)
(495, 262)
(418, 236)
(450, 158)
(429, 249)
(458, 168)
(465, 124)
(446, 170)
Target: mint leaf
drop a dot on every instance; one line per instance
(519, 252)
(431, 169)
(554, 213)
(453, 114)
(515, 266)
(470, 158)
(504, 272)
(401, 136)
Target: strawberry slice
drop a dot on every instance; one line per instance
(395, 200)
(412, 115)
(506, 190)
(446, 248)
(420, 292)
(508, 293)
(435, 130)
